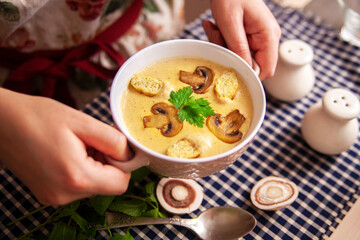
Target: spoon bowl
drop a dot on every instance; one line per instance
(224, 223)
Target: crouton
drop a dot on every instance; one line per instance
(183, 148)
(226, 85)
(147, 85)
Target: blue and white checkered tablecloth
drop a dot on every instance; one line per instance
(329, 185)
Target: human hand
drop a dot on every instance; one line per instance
(50, 147)
(247, 28)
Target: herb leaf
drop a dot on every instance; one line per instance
(180, 97)
(190, 114)
(67, 210)
(118, 236)
(139, 174)
(81, 222)
(191, 109)
(150, 192)
(63, 231)
(100, 203)
(133, 208)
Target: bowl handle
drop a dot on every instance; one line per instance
(140, 160)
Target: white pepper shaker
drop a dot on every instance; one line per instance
(331, 126)
(294, 76)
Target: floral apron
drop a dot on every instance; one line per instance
(54, 67)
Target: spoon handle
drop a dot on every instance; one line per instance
(117, 220)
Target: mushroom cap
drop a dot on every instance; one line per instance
(209, 77)
(179, 196)
(165, 118)
(200, 80)
(226, 128)
(273, 193)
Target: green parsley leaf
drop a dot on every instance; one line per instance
(191, 109)
(191, 115)
(178, 98)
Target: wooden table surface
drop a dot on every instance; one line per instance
(349, 227)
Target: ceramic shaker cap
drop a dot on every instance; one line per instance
(294, 76)
(330, 126)
(341, 104)
(296, 52)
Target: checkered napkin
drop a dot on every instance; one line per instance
(329, 185)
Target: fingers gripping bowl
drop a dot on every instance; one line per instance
(173, 166)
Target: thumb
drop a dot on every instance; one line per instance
(106, 179)
(102, 137)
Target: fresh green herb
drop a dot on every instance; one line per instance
(190, 109)
(79, 219)
(118, 236)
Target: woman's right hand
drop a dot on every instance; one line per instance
(58, 152)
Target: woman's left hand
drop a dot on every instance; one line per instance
(249, 29)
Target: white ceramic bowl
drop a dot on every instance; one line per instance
(176, 167)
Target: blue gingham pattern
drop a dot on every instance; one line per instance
(328, 185)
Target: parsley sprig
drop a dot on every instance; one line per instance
(191, 109)
(78, 220)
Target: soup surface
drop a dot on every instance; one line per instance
(135, 106)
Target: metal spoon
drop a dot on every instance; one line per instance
(215, 223)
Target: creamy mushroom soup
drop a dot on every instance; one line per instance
(136, 106)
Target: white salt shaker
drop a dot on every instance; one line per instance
(294, 76)
(331, 126)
